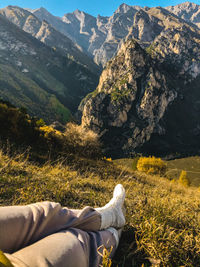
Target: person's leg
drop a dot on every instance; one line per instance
(23, 225)
(68, 248)
(112, 214)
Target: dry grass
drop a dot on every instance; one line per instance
(190, 164)
(82, 141)
(163, 218)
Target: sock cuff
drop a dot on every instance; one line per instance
(115, 233)
(106, 218)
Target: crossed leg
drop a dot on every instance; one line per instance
(45, 234)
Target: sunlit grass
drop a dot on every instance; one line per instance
(163, 218)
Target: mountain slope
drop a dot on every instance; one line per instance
(39, 78)
(187, 11)
(100, 36)
(44, 32)
(141, 101)
(130, 100)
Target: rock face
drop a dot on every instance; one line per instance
(144, 92)
(130, 101)
(187, 11)
(101, 37)
(168, 39)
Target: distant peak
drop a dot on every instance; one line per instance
(186, 5)
(123, 8)
(123, 5)
(13, 7)
(80, 13)
(16, 8)
(77, 11)
(41, 9)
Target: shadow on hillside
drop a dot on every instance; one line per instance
(127, 254)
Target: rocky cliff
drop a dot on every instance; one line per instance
(169, 39)
(187, 11)
(130, 100)
(148, 95)
(101, 37)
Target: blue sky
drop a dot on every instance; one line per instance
(93, 7)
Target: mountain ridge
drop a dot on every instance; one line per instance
(39, 78)
(44, 32)
(103, 42)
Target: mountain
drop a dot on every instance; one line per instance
(168, 39)
(99, 37)
(148, 95)
(187, 11)
(44, 32)
(130, 100)
(139, 97)
(39, 78)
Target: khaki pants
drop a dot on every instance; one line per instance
(45, 234)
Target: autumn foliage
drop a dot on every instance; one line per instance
(151, 165)
(183, 179)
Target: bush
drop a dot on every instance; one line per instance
(44, 142)
(17, 126)
(183, 179)
(40, 123)
(151, 165)
(82, 141)
(134, 164)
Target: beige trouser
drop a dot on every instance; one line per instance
(45, 234)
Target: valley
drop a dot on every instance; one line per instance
(150, 59)
(84, 98)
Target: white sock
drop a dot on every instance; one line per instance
(112, 214)
(116, 233)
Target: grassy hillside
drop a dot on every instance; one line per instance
(19, 131)
(23, 91)
(174, 167)
(163, 218)
(191, 165)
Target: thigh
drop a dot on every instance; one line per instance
(68, 248)
(21, 226)
(62, 249)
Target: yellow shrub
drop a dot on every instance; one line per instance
(107, 159)
(49, 131)
(82, 141)
(183, 179)
(151, 165)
